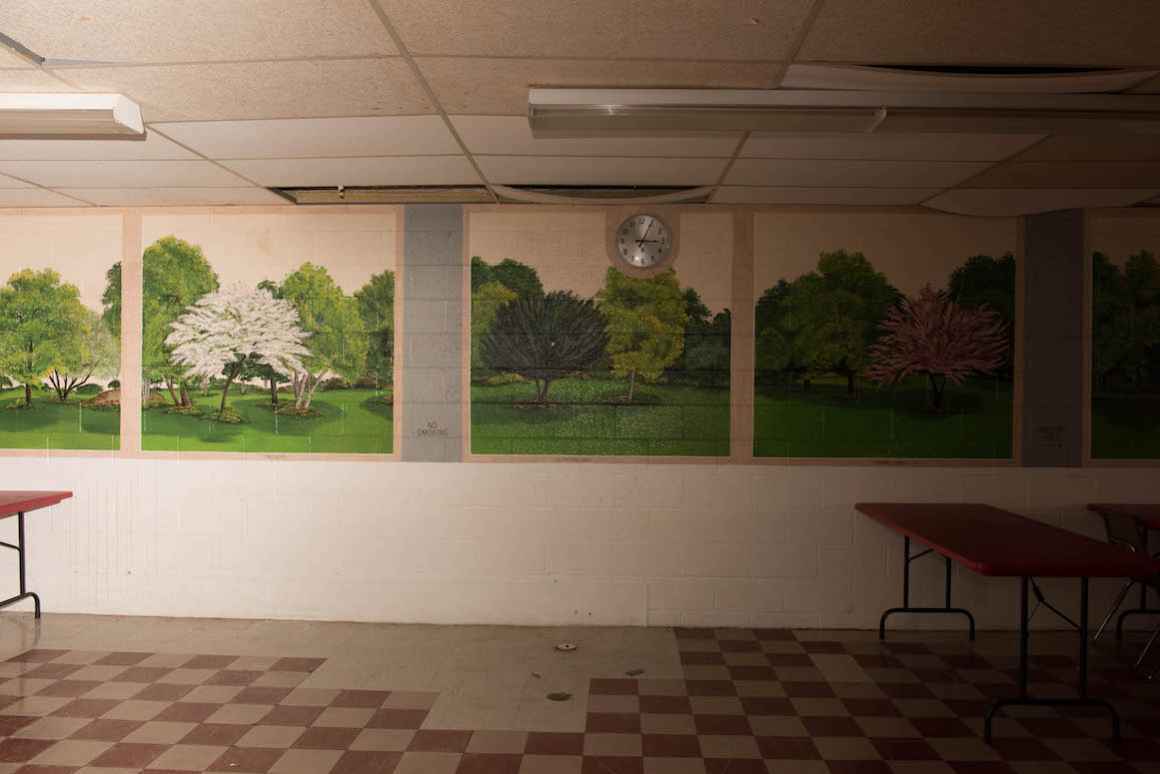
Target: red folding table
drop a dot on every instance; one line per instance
(998, 543)
(1147, 519)
(17, 504)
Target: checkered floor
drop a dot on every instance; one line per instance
(750, 701)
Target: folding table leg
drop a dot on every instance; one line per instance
(1024, 699)
(1143, 609)
(906, 608)
(21, 549)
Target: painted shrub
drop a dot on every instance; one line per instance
(884, 335)
(570, 356)
(268, 333)
(60, 348)
(1125, 343)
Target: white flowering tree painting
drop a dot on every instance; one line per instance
(268, 332)
(228, 332)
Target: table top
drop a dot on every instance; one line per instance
(14, 502)
(1146, 513)
(991, 541)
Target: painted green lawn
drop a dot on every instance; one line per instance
(588, 416)
(1126, 427)
(824, 422)
(350, 422)
(50, 424)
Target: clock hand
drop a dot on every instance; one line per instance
(645, 238)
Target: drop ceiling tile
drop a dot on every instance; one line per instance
(31, 81)
(1075, 147)
(839, 196)
(511, 135)
(1071, 174)
(154, 146)
(627, 29)
(1025, 201)
(561, 170)
(122, 174)
(147, 197)
(10, 59)
(896, 147)
(289, 89)
(851, 174)
(1052, 32)
(132, 31)
(391, 170)
(9, 182)
(500, 86)
(315, 137)
(35, 197)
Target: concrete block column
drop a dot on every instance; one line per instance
(1054, 271)
(432, 333)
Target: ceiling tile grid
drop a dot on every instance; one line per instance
(122, 174)
(434, 92)
(135, 32)
(315, 137)
(381, 171)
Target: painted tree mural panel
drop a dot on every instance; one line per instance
(1125, 336)
(570, 356)
(883, 335)
(60, 351)
(269, 333)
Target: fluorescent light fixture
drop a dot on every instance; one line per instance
(70, 117)
(593, 112)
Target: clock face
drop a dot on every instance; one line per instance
(644, 241)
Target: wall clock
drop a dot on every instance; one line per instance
(643, 242)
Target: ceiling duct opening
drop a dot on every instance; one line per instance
(555, 194)
(387, 195)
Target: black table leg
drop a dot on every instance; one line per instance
(20, 550)
(1024, 699)
(906, 608)
(1143, 609)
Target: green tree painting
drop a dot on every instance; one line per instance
(175, 275)
(1126, 357)
(55, 356)
(847, 366)
(41, 327)
(290, 364)
(645, 322)
(376, 306)
(639, 368)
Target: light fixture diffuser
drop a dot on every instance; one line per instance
(597, 112)
(70, 116)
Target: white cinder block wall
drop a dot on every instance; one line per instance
(518, 543)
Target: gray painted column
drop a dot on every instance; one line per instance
(1054, 273)
(432, 333)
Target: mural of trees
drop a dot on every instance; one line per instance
(58, 364)
(645, 322)
(175, 274)
(641, 367)
(1125, 356)
(376, 306)
(227, 330)
(545, 337)
(935, 337)
(295, 363)
(338, 340)
(822, 335)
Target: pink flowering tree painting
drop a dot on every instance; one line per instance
(931, 335)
